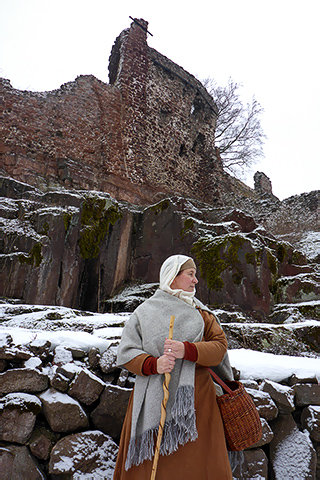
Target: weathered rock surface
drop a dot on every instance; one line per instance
(292, 454)
(16, 462)
(109, 414)
(307, 394)
(265, 405)
(23, 380)
(282, 396)
(310, 419)
(255, 465)
(41, 442)
(79, 248)
(17, 417)
(91, 454)
(86, 387)
(63, 413)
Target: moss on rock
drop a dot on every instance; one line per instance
(161, 206)
(97, 215)
(215, 255)
(187, 226)
(34, 257)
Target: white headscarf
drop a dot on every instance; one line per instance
(168, 272)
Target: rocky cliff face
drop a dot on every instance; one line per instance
(80, 248)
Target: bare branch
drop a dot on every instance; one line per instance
(239, 133)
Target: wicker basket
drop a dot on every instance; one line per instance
(241, 420)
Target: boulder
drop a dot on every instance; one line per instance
(94, 357)
(292, 455)
(109, 414)
(23, 380)
(307, 394)
(62, 356)
(17, 463)
(90, 454)
(60, 382)
(41, 442)
(86, 387)
(14, 354)
(255, 465)
(18, 413)
(108, 360)
(63, 413)
(310, 419)
(40, 347)
(265, 405)
(282, 396)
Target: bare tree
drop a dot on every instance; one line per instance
(239, 134)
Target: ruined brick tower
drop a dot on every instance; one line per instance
(150, 130)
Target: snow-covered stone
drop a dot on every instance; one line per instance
(94, 357)
(63, 413)
(18, 413)
(310, 419)
(292, 454)
(62, 356)
(265, 405)
(23, 380)
(108, 360)
(89, 455)
(307, 394)
(282, 396)
(267, 434)
(86, 387)
(33, 362)
(255, 465)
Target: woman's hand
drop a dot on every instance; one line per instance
(174, 347)
(165, 363)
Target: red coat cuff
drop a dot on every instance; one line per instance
(190, 352)
(149, 366)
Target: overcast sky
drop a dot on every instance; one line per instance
(270, 47)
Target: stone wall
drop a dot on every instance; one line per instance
(62, 411)
(150, 130)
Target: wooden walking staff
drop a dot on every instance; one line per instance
(165, 386)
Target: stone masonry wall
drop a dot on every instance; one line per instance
(62, 409)
(150, 130)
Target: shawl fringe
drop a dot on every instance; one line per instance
(177, 431)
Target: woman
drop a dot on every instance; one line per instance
(193, 444)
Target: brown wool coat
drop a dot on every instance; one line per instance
(207, 457)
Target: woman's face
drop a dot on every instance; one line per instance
(186, 280)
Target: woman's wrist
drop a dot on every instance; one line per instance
(190, 352)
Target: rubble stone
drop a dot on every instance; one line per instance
(17, 463)
(307, 394)
(18, 413)
(63, 413)
(310, 419)
(86, 387)
(109, 414)
(292, 454)
(91, 454)
(265, 405)
(23, 380)
(282, 396)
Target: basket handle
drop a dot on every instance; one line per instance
(221, 382)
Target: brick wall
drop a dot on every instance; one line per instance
(150, 130)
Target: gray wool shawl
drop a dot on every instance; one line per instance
(145, 332)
